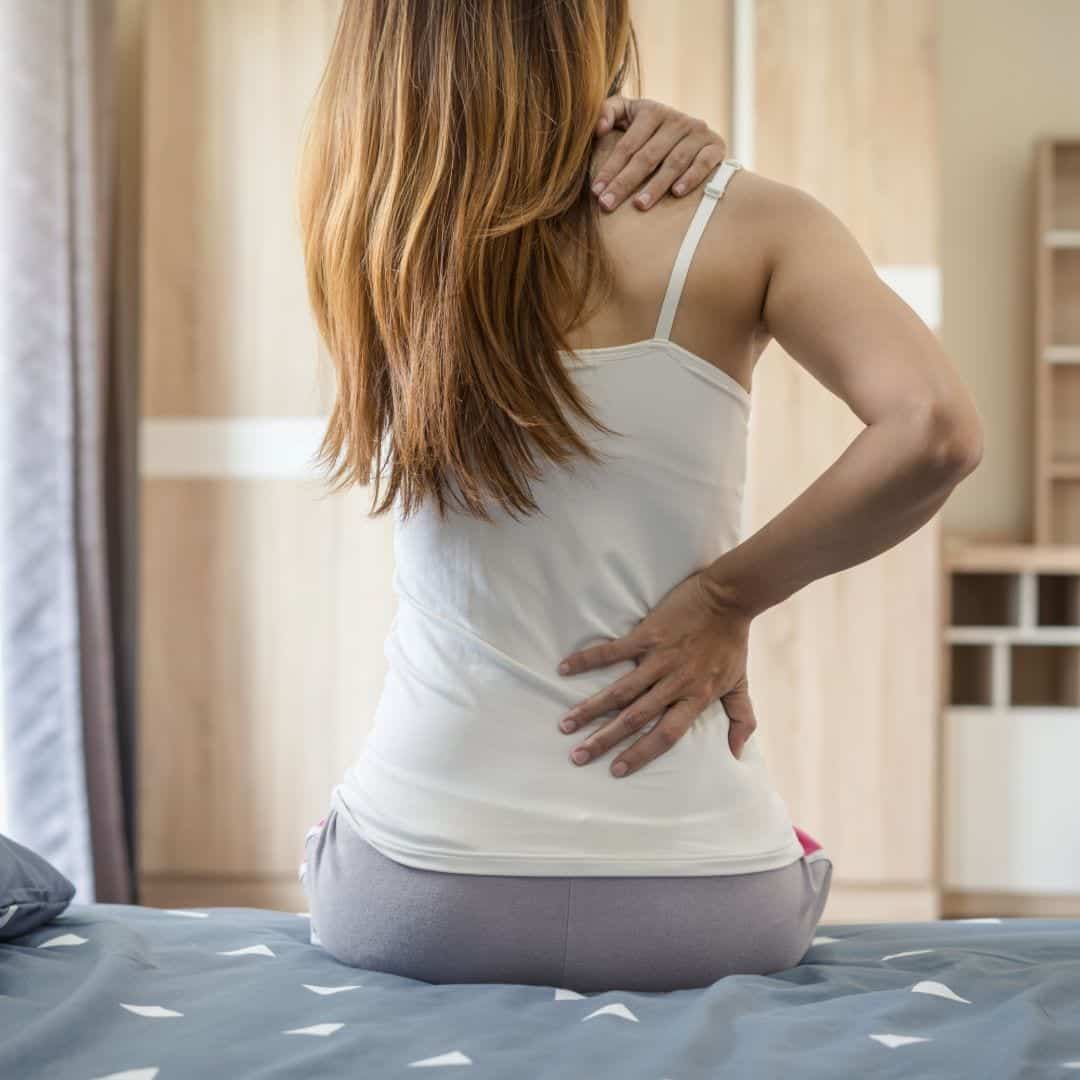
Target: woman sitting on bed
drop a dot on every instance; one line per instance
(562, 786)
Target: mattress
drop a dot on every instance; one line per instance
(136, 993)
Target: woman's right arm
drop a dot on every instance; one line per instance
(827, 307)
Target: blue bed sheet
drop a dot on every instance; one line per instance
(136, 993)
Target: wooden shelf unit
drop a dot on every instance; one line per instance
(1010, 729)
(1057, 341)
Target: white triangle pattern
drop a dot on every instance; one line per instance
(133, 1074)
(63, 939)
(250, 950)
(928, 986)
(321, 1030)
(454, 1057)
(912, 952)
(618, 1009)
(156, 1012)
(892, 1041)
(8, 914)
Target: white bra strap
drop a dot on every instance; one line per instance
(714, 191)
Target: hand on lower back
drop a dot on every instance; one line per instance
(690, 650)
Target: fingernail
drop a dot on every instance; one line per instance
(678, 189)
(607, 200)
(644, 199)
(598, 187)
(580, 756)
(568, 726)
(564, 667)
(620, 768)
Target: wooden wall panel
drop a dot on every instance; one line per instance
(263, 608)
(685, 56)
(229, 83)
(240, 609)
(845, 673)
(250, 653)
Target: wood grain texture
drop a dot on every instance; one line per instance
(974, 554)
(959, 904)
(264, 609)
(226, 322)
(847, 108)
(686, 56)
(279, 894)
(851, 902)
(845, 674)
(264, 606)
(1043, 420)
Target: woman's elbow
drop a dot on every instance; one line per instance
(952, 439)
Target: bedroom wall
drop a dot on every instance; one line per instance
(263, 606)
(1009, 75)
(845, 674)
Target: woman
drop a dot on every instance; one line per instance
(555, 401)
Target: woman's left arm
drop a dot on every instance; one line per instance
(828, 308)
(662, 150)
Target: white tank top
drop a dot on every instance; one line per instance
(465, 769)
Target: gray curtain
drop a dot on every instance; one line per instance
(66, 474)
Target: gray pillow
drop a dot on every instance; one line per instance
(32, 890)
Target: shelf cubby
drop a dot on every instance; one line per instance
(1065, 299)
(1058, 600)
(1064, 413)
(985, 600)
(971, 681)
(1065, 510)
(1044, 675)
(1065, 197)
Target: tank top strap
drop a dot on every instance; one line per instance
(714, 191)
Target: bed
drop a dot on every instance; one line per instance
(137, 993)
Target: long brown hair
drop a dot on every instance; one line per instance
(448, 236)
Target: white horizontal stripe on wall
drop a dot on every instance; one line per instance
(285, 446)
(920, 287)
(275, 446)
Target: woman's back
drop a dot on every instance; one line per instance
(718, 314)
(448, 227)
(465, 769)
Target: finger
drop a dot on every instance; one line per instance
(616, 696)
(629, 647)
(614, 111)
(708, 157)
(675, 165)
(643, 162)
(741, 712)
(630, 720)
(638, 145)
(674, 724)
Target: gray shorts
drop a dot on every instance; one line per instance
(588, 934)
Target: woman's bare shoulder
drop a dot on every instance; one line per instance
(778, 217)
